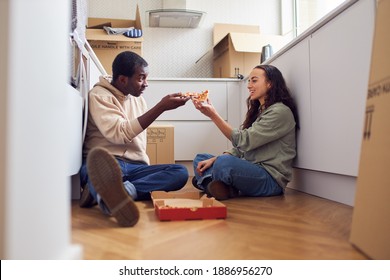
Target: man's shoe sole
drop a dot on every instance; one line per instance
(106, 176)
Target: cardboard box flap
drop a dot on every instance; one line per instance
(101, 35)
(138, 23)
(246, 42)
(250, 42)
(222, 29)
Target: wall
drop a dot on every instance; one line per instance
(173, 52)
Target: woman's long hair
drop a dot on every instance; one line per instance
(277, 93)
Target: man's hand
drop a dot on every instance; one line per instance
(169, 102)
(173, 101)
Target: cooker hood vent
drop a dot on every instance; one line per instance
(175, 14)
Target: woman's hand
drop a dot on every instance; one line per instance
(204, 165)
(206, 108)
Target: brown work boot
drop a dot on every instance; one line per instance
(106, 176)
(221, 191)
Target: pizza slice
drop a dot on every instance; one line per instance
(188, 94)
(201, 97)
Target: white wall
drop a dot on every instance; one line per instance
(34, 131)
(173, 52)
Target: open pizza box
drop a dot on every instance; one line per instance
(190, 205)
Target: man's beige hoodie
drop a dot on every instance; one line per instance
(113, 122)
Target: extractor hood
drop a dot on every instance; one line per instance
(175, 13)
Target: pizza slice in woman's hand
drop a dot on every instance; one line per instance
(201, 97)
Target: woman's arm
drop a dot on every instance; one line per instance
(208, 110)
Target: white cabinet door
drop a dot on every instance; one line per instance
(340, 54)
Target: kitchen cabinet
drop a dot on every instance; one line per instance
(327, 73)
(327, 70)
(340, 54)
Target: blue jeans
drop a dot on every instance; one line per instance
(140, 179)
(248, 178)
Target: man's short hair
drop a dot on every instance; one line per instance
(125, 64)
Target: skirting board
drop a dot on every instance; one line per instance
(336, 187)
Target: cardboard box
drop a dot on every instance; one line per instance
(107, 47)
(370, 230)
(240, 51)
(160, 144)
(191, 205)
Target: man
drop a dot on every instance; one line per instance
(115, 169)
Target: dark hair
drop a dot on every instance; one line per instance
(125, 64)
(277, 93)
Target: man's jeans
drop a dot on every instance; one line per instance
(141, 179)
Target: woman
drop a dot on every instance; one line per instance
(260, 162)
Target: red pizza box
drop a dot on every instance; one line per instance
(190, 205)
